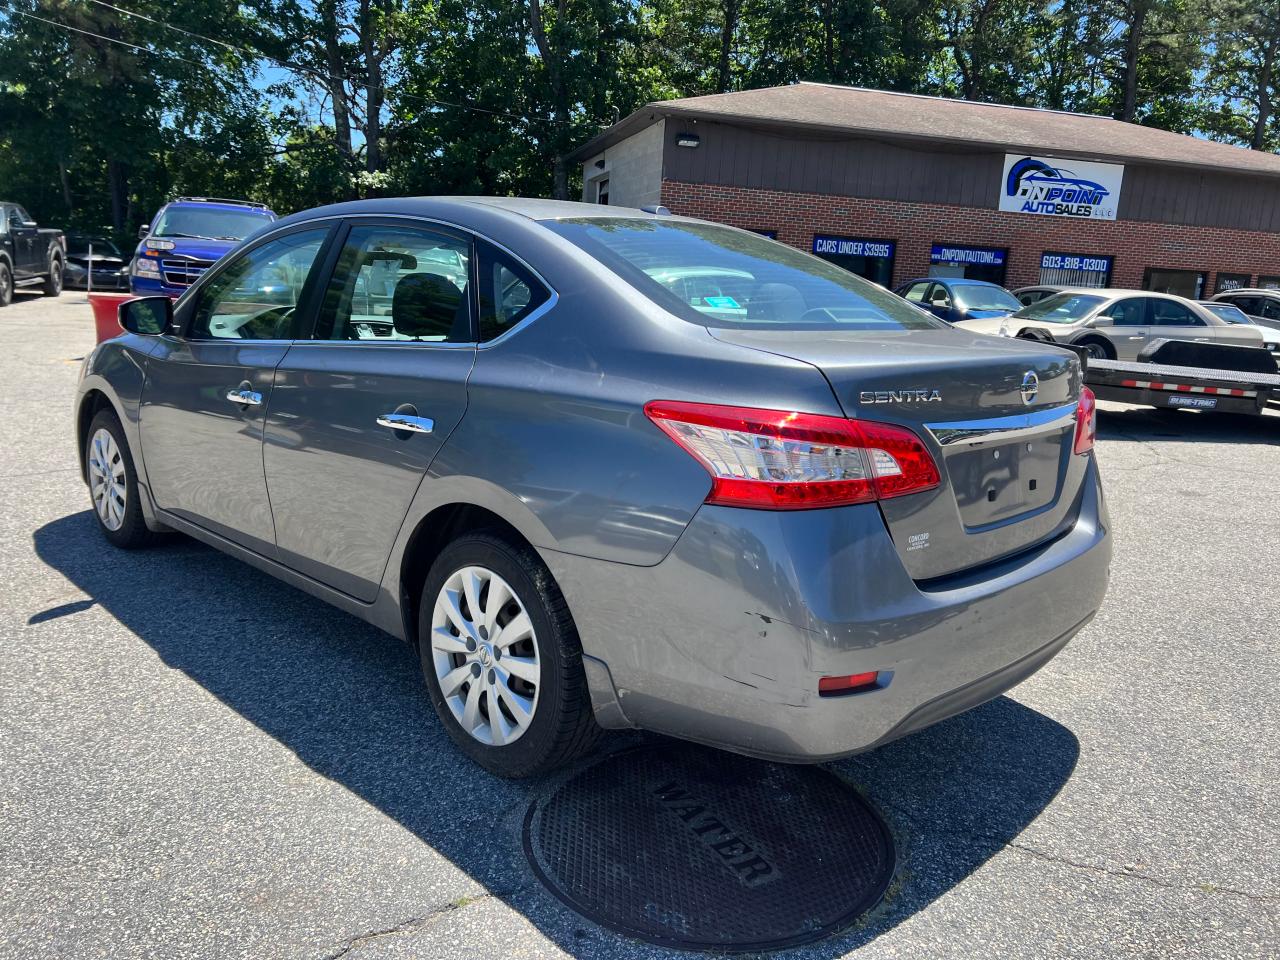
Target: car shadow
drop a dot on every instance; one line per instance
(348, 700)
(1145, 424)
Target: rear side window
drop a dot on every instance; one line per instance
(720, 277)
(508, 292)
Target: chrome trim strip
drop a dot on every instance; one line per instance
(1003, 429)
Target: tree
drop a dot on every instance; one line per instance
(1241, 78)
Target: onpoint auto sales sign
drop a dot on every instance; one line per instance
(1060, 188)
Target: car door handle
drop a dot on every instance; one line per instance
(248, 398)
(403, 421)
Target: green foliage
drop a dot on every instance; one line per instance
(304, 102)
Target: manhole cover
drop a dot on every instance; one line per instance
(688, 847)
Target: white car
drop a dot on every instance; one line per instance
(1117, 324)
(1233, 314)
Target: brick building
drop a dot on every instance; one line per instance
(894, 186)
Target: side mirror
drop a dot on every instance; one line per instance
(147, 316)
(1102, 322)
(143, 231)
(30, 224)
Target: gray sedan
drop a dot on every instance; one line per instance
(777, 510)
(1117, 324)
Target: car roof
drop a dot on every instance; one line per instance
(1254, 291)
(220, 206)
(954, 281)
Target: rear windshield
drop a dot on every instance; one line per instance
(1228, 312)
(720, 277)
(982, 297)
(1061, 308)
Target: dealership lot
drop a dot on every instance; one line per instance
(198, 761)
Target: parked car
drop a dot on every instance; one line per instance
(186, 237)
(591, 500)
(1262, 304)
(1030, 295)
(954, 300)
(110, 268)
(1117, 324)
(1233, 314)
(30, 255)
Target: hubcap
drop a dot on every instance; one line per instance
(485, 655)
(107, 479)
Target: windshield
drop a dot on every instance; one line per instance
(1062, 308)
(1228, 312)
(79, 247)
(982, 297)
(210, 223)
(720, 277)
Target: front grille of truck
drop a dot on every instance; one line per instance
(183, 273)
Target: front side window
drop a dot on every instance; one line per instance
(256, 296)
(1170, 313)
(508, 293)
(1130, 312)
(1061, 308)
(773, 286)
(399, 284)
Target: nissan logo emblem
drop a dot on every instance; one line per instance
(1030, 386)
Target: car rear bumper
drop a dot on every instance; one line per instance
(725, 640)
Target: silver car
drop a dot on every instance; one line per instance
(794, 517)
(1117, 324)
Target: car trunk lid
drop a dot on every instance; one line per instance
(997, 414)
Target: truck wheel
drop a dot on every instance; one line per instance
(6, 284)
(53, 281)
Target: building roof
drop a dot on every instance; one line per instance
(827, 108)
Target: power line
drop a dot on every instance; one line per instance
(259, 55)
(89, 33)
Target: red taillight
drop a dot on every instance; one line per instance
(831, 686)
(782, 460)
(1086, 421)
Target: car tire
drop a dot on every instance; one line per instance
(53, 280)
(1098, 349)
(6, 284)
(117, 507)
(470, 673)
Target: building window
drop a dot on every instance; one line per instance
(1075, 269)
(872, 259)
(602, 191)
(1182, 283)
(1232, 281)
(1269, 283)
(972, 263)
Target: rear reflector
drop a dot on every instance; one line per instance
(831, 686)
(783, 460)
(1086, 421)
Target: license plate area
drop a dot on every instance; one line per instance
(994, 482)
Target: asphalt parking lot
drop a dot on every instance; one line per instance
(198, 761)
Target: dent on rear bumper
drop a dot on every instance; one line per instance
(724, 640)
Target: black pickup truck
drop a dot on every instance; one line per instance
(29, 255)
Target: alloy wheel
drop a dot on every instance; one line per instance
(485, 653)
(107, 483)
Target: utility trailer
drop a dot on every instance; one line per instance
(1177, 374)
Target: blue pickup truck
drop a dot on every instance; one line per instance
(186, 238)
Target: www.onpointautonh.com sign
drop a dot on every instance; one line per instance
(1077, 189)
